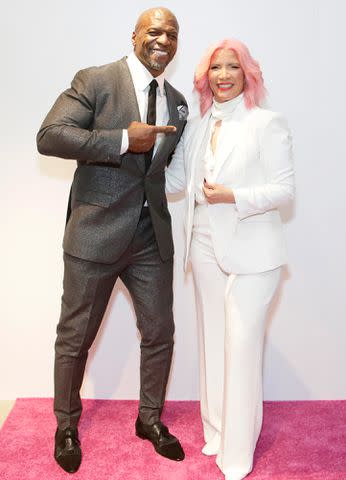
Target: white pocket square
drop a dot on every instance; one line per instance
(183, 112)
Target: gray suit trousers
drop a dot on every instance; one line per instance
(87, 289)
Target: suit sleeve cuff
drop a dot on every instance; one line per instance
(241, 202)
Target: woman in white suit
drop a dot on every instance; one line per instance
(235, 162)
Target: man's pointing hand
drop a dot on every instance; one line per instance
(143, 136)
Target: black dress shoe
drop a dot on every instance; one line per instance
(67, 451)
(164, 443)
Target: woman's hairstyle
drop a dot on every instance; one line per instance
(254, 91)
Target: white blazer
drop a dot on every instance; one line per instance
(256, 163)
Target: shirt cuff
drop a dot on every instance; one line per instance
(124, 143)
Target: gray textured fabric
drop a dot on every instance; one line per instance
(106, 234)
(107, 193)
(87, 288)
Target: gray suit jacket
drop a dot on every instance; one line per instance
(107, 192)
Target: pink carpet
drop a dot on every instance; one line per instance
(299, 441)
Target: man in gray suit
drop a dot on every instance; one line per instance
(118, 224)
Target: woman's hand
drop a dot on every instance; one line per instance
(216, 193)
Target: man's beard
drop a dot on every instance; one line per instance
(156, 66)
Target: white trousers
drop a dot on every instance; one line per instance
(231, 313)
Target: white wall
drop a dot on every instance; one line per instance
(299, 45)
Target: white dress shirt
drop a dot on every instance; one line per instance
(141, 78)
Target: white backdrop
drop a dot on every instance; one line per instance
(300, 46)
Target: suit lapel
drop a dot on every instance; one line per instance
(129, 105)
(194, 149)
(171, 103)
(226, 145)
(233, 130)
(173, 120)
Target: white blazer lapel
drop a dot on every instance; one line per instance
(193, 150)
(195, 138)
(230, 136)
(226, 144)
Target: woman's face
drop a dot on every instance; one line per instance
(226, 77)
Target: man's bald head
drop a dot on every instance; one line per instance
(155, 39)
(156, 12)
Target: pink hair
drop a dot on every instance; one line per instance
(254, 90)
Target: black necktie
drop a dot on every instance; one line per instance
(151, 118)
